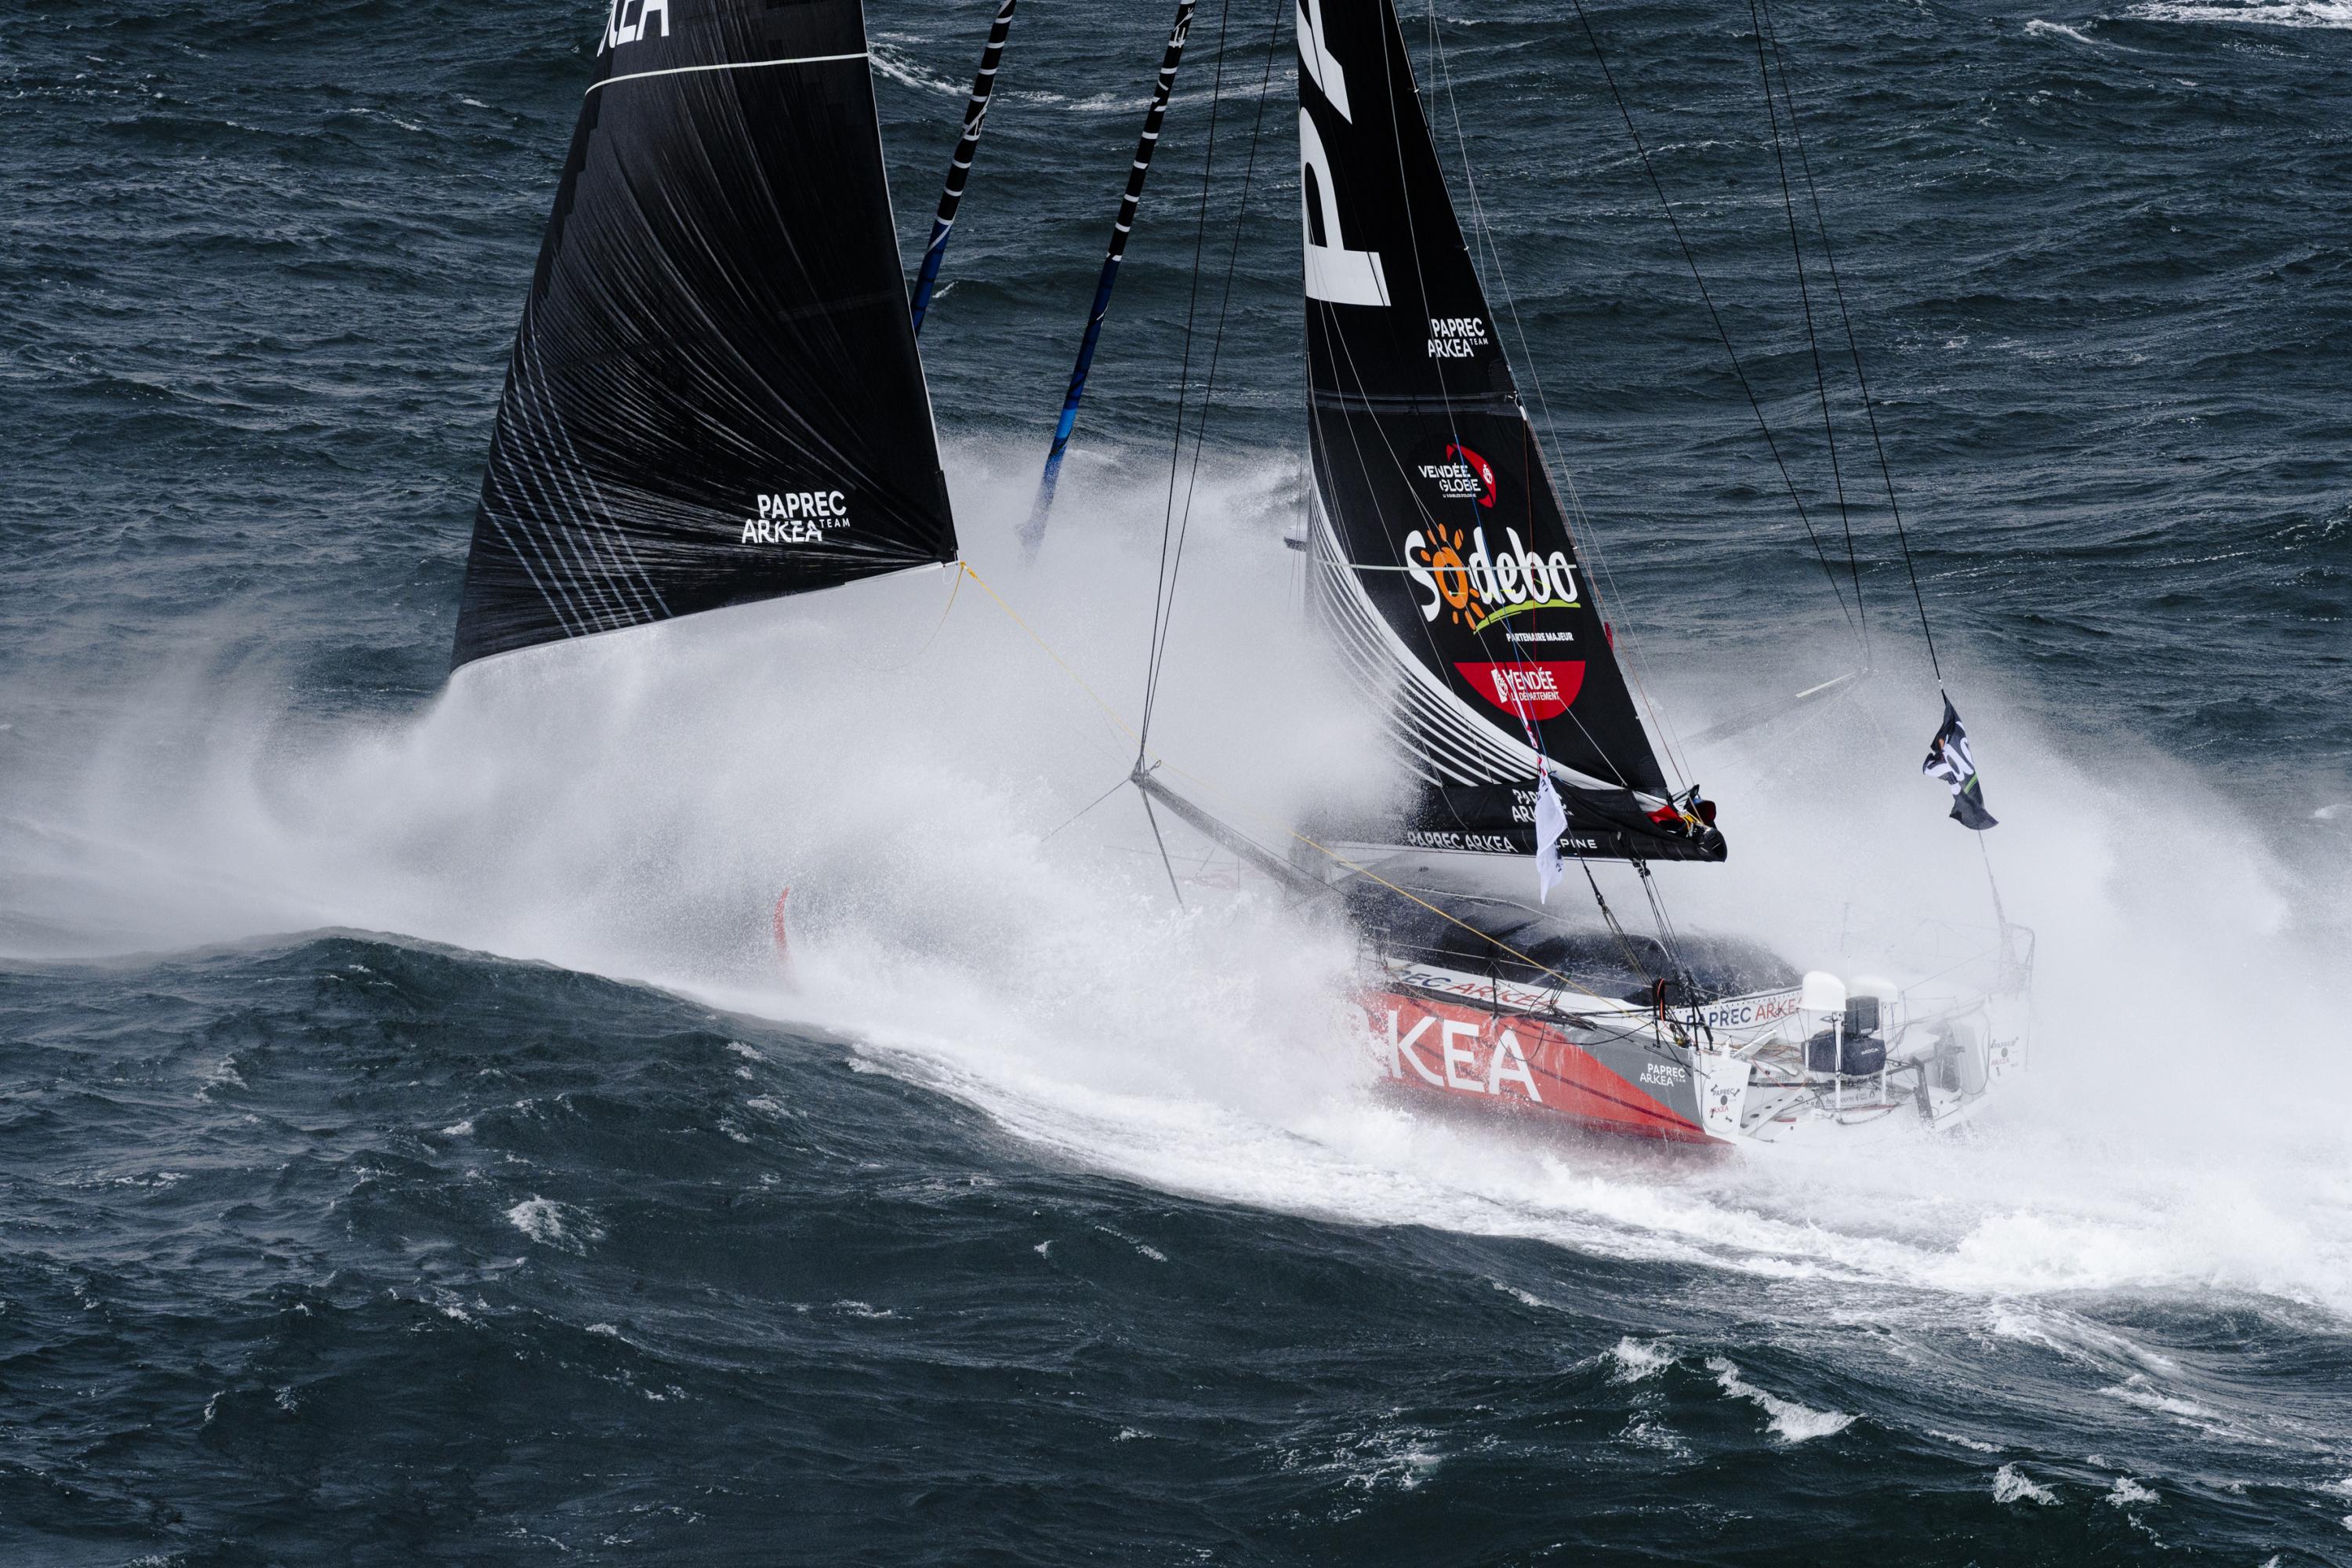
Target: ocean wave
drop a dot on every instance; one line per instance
(1795, 1423)
(2252, 13)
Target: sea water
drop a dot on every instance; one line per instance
(414, 1150)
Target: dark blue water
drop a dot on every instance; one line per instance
(401, 1162)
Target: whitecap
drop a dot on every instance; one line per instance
(1402, 1457)
(2037, 27)
(2290, 13)
(1795, 1423)
(2127, 1491)
(2010, 1485)
(551, 1224)
(1964, 1442)
(1645, 1432)
(885, 60)
(2136, 1391)
(2074, 1337)
(1639, 1359)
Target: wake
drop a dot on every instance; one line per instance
(631, 805)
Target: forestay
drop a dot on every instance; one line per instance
(714, 396)
(1439, 554)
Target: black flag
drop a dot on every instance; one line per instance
(1948, 760)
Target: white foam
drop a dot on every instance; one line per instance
(908, 791)
(551, 1224)
(1638, 1359)
(1795, 1423)
(2127, 1492)
(2136, 1391)
(2256, 13)
(2060, 31)
(2010, 1485)
(2076, 1338)
(890, 63)
(1643, 1430)
(1400, 1459)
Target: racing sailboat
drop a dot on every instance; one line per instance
(1440, 560)
(715, 399)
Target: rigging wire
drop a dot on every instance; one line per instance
(1861, 379)
(1412, 236)
(1339, 339)
(1153, 816)
(1124, 780)
(1609, 916)
(1185, 381)
(1171, 565)
(1769, 32)
(1690, 259)
(1238, 807)
(1586, 538)
(1666, 936)
(1812, 342)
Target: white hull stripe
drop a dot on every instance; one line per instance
(1442, 731)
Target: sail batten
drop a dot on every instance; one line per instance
(1444, 561)
(714, 396)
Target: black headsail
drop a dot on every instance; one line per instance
(715, 396)
(1439, 553)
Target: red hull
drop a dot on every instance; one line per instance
(1516, 1063)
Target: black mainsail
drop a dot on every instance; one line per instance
(715, 396)
(1439, 554)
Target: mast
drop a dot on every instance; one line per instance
(975, 115)
(1439, 555)
(714, 396)
(1032, 531)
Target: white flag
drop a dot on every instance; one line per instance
(1551, 821)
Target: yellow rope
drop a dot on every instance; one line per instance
(1240, 809)
(1109, 712)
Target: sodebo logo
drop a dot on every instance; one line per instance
(1478, 589)
(632, 19)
